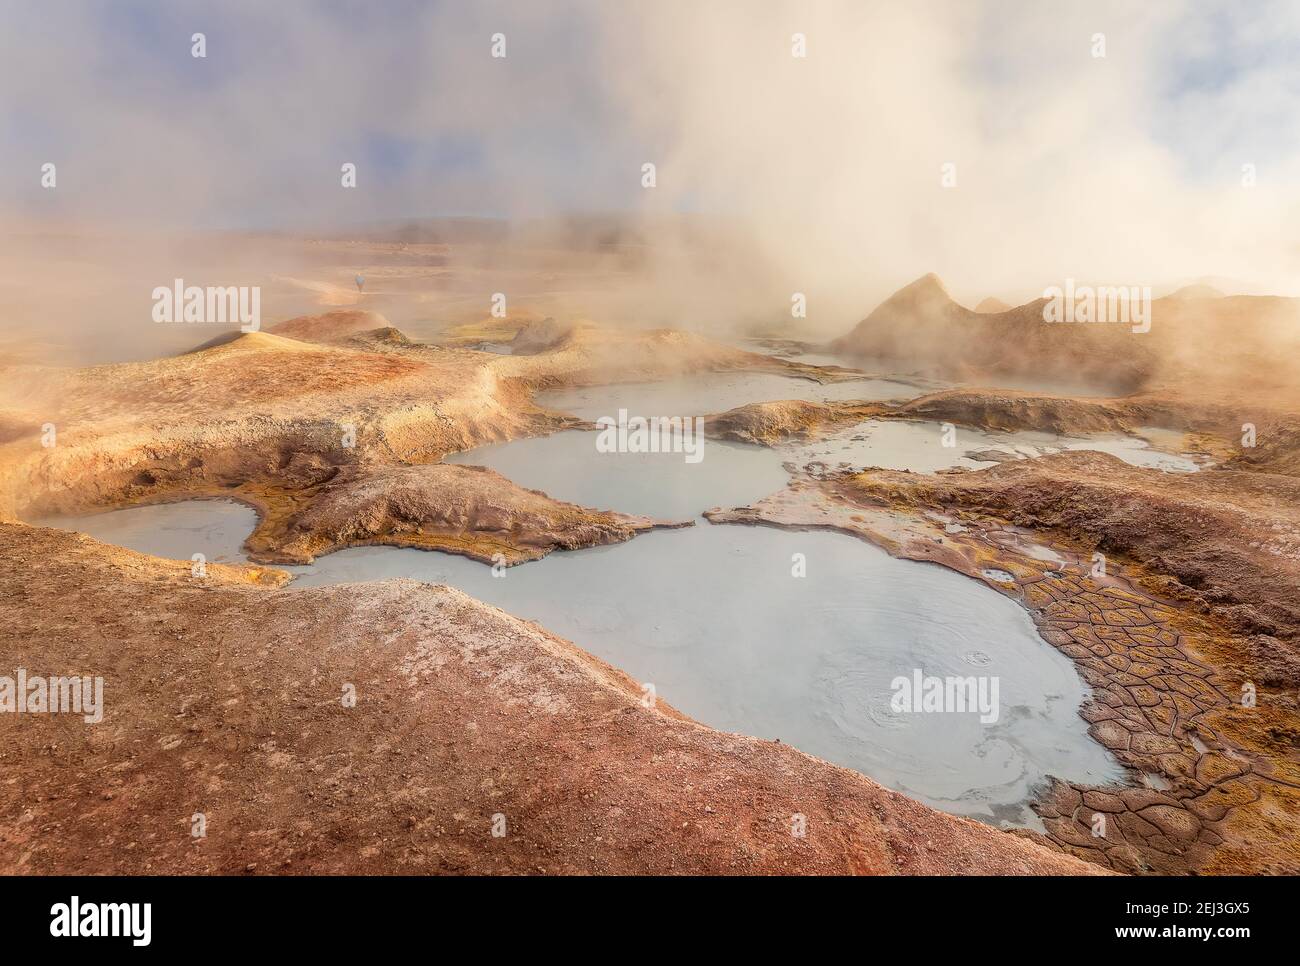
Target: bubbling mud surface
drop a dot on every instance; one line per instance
(717, 619)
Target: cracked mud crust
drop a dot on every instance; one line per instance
(1215, 787)
(333, 426)
(223, 694)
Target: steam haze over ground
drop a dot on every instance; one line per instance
(352, 308)
(775, 173)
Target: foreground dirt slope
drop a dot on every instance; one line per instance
(224, 699)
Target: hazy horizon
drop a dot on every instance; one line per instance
(835, 149)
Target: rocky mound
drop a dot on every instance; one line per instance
(327, 327)
(1196, 292)
(769, 423)
(467, 510)
(399, 727)
(1009, 410)
(1276, 449)
(541, 335)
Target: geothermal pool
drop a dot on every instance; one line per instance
(715, 392)
(713, 617)
(566, 465)
(890, 444)
(716, 618)
(920, 447)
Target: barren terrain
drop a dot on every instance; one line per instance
(333, 427)
(226, 699)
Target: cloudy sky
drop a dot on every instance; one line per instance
(1127, 167)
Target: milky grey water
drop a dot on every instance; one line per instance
(714, 392)
(890, 444)
(718, 621)
(567, 467)
(715, 618)
(922, 447)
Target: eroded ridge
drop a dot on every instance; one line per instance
(332, 427)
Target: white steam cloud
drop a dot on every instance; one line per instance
(820, 174)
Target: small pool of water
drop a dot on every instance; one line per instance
(1139, 452)
(215, 528)
(892, 444)
(713, 392)
(922, 446)
(716, 617)
(568, 467)
(716, 620)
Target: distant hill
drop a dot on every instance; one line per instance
(921, 327)
(1196, 292)
(1198, 340)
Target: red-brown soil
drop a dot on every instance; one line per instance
(225, 699)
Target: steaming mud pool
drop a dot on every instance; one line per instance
(797, 636)
(813, 638)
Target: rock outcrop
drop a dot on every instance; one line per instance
(468, 510)
(770, 423)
